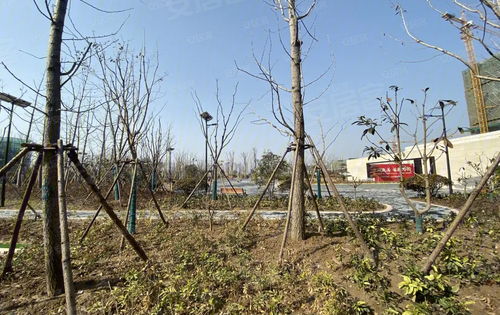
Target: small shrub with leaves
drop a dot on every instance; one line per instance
(417, 183)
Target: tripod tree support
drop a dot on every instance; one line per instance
(98, 184)
(195, 188)
(229, 181)
(14, 188)
(290, 206)
(100, 206)
(315, 204)
(129, 205)
(69, 288)
(269, 181)
(138, 249)
(13, 161)
(352, 224)
(15, 235)
(153, 196)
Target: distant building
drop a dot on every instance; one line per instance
(477, 149)
(491, 93)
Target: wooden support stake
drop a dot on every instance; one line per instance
(224, 186)
(269, 181)
(69, 288)
(13, 161)
(290, 205)
(352, 224)
(100, 206)
(14, 188)
(224, 174)
(153, 196)
(15, 235)
(98, 184)
(313, 198)
(326, 184)
(194, 189)
(460, 216)
(138, 249)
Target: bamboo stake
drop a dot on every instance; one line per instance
(269, 181)
(138, 249)
(15, 235)
(313, 198)
(100, 206)
(352, 224)
(69, 288)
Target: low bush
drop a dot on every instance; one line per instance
(417, 183)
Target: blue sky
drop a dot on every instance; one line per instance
(199, 41)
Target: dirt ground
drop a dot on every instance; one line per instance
(195, 270)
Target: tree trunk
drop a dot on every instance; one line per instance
(297, 227)
(52, 237)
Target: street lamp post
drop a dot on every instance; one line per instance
(14, 101)
(441, 104)
(446, 141)
(206, 117)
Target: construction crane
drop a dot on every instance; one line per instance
(466, 27)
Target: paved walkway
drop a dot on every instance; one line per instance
(388, 194)
(384, 193)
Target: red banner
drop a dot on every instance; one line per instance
(390, 172)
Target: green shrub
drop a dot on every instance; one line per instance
(417, 183)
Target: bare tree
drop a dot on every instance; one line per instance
(52, 236)
(244, 161)
(391, 115)
(56, 78)
(227, 121)
(294, 127)
(230, 159)
(255, 158)
(155, 148)
(132, 81)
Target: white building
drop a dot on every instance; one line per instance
(475, 148)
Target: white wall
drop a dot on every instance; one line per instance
(474, 148)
